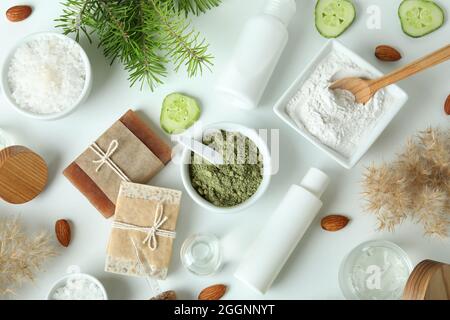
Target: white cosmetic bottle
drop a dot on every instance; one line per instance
(283, 232)
(261, 43)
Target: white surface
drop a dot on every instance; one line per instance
(311, 272)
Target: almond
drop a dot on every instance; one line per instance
(387, 53)
(447, 106)
(213, 293)
(62, 230)
(334, 222)
(18, 13)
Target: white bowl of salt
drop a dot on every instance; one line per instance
(77, 286)
(46, 76)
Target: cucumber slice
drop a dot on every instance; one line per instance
(179, 112)
(333, 17)
(420, 17)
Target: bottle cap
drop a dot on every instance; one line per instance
(315, 182)
(282, 9)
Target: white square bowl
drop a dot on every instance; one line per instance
(395, 100)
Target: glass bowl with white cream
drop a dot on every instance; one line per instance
(375, 270)
(331, 119)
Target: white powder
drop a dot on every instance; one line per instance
(47, 75)
(78, 288)
(333, 117)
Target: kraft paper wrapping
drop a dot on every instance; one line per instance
(137, 205)
(89, 188)
(134, 158)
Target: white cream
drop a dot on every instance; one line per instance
(333, 117)
(379, 273)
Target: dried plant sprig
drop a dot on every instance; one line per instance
(21, 256)
(414, 186)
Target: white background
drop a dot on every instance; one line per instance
(311, 272)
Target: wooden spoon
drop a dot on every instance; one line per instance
(365, 89)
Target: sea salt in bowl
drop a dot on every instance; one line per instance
(91, 288)
(49, 74)
(267, 168)
(394, 99)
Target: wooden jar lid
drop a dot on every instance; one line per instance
(430, 280)
(23, 174)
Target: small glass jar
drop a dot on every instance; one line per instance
(201, 254)
(375, 270)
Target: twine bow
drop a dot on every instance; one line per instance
(153, 231)
(105, 158)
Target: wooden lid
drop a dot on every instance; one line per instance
(430, 280)
(23, 174)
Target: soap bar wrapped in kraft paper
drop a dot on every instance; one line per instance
(143, 231)
(128, 151)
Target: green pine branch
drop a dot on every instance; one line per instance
(194, 6)
(184, 46)
(144, 35)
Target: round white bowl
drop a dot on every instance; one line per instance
(267, 170)
(61, 282)
(52, 116)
